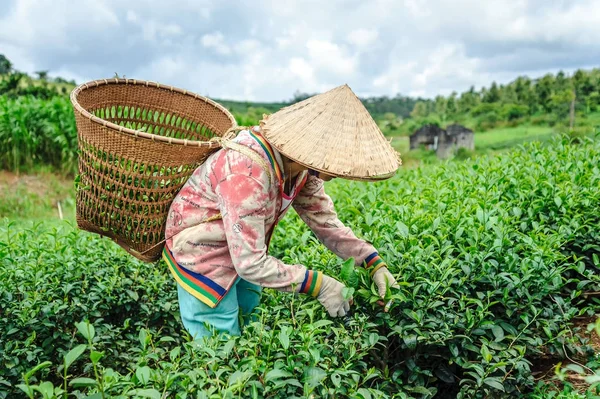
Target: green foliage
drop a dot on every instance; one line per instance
(514, 111)
(252, 116)
(242, 107)
(398, 105)
(492, 256)
(5, 65)
(420, 110)
(409, 126)
(483, 109)
(35, 131)
(14, 84)
(463, 154)
(546, 101)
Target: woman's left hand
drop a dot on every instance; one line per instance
(384, 279)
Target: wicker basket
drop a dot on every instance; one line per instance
(139, 142)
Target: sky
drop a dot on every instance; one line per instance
(266, 50)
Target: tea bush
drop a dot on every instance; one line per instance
(493, 257)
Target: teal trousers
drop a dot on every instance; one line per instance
(234, 310)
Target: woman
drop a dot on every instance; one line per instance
(221, 222)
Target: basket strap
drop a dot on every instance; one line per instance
(253, 155)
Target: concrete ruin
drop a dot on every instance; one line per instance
(443, 142)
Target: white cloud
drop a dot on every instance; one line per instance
(394, 78)
(247, 47)
(330, 57)
(423, 47)
(216, 41)
(152, 30)
(283, 42)
(302, 69)
(446, 62)
(418, 9)
(362, 38)
(131, 16)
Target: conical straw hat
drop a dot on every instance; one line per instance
(332, 133)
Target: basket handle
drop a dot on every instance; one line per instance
(231, 132)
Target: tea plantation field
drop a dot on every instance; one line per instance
(494, 257)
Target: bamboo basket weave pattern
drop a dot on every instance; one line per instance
(139, 142)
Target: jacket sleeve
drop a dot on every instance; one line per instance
(243, 200)
(316, 209)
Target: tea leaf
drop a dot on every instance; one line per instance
(498, 333)
(148, 393)
(37, 368)
(284, 338)
(313, 376)
(364, 393)
(83, 382)
(86, 329)
(74, 355)
(46, 388)
(348, 274)
(143, 374)
(494, 383)
(276, 374)
(347, 293)
(95, 356)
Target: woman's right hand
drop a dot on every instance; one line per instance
(330, 296)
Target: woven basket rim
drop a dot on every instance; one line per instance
(154, 137)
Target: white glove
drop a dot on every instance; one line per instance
(383, 279)
(330, 296)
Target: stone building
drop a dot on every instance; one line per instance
(443, 142)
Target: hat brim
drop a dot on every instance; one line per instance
(340, 175)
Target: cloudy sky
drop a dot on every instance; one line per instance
(265, 50)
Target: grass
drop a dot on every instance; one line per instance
(36, 196)
(508, 137)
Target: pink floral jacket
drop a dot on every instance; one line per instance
(207, 258)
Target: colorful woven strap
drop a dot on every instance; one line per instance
(312, 283)
(201, 287)
(373, 263)
(270, 154)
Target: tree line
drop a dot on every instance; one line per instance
(14, 83)
(546, 100)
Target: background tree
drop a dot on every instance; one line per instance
(560, 103)
(420, 110)
(468, 100)
(492, 95)
(451, 105)
(5, 65)
(42, 75)
(543, 92)
(440, 107)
